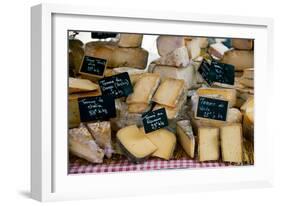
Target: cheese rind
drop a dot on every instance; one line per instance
(168, 92)
(241, 59)
(82, 145)
(186, 137)
(164, 140)
(135, 144)
(243, 44)
(226, 94)
(81, 85)
(231, 143)
(208, 144)
(101, 133)
(130, 40)
(177, 58)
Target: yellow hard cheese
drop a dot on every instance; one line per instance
(81, 85)
(164, 140)
(135, 143)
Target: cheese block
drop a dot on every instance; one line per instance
(167, 44)
(226, 94)
(164, 140)
(202, 42)
(73, 107)
(76, 54)
(138, 107)
(217, 50)
(248, 73)
(243, 44)
(130, 40)
(231, 143)
(188, 74)
(144, 89)
(177, 58)
(194, 49)
(168, 92)
(233, 116)
(101, 133)
(208, 144)
(248, 118)
(82, 145)
(117, 56)
(134, 73)
(241, 59)
(135, 143)
(186, 137)
(81, 85)
(247, 82)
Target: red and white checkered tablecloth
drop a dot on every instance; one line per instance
(151, 164)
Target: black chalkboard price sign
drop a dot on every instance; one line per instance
(210, 108)
(217, 72)
(96, 108)
(103, 35)
(117, 86)
(154, 120)
(93, 66)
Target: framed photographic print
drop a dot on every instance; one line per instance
(137, 102)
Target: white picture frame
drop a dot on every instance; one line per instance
(49, 179)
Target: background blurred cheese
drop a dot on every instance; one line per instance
(208, 144)
(167, 44)
(135, 143)
(186, 137)
(243, 44)
(231, 143)
(164, 140)
(130, 40)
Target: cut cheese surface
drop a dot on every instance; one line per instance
(135, 143)
(208, 146)
(164, 140)
(82, 145)
(138, 107)
(81, 85)
(169, 91)
(186, 137)
(231, 143)
(241, 59)
(167, 44)
(217, 50)
(130, 40)
(226, 94)
(144, 88)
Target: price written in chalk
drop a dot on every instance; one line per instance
(154, 120)
(93, 66)
(210, 108)
(117, 86)
(96, 108)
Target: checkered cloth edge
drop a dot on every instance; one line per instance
(151, 164)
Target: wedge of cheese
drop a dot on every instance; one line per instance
(134, 73)
(130, 40)
(167, 44)
(243, 44)
(241, 59)
(117, 56)
(164, 140)
(248, 118)
(177, 58)
(138, 107)
(231, 143)
(226, 94)
(82, 145)
(144, 89)
(194, 48)
(188, 74)
(186, 137)
(101, 133)
(81, 85)
(217, 50)
(135, 143)
(208, 144)
(168, 92)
